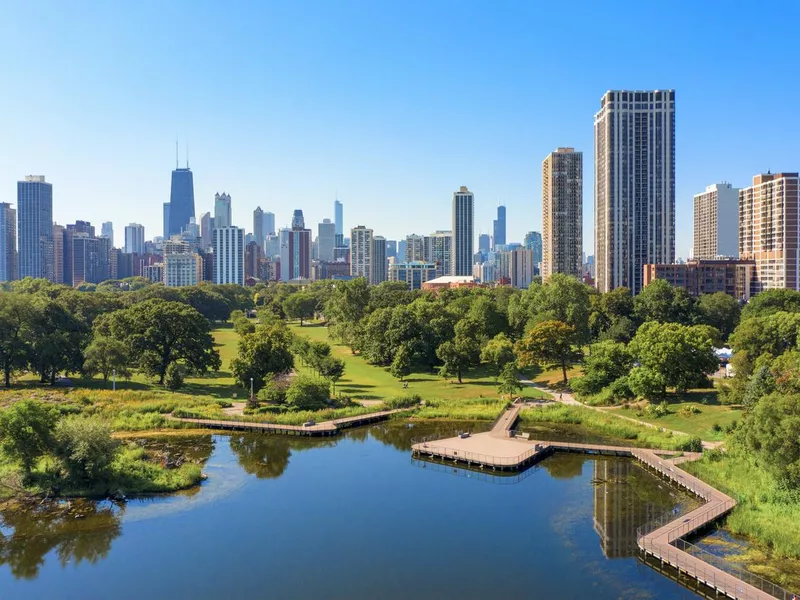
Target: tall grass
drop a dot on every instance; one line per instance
(475, 409)
(608, 425)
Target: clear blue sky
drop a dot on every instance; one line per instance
(392, 105)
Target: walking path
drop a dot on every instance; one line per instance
(501, 449)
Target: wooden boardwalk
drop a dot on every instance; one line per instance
(319, 429)
(499, 449)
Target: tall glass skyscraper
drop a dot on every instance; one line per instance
(463, 228)
(500, 227)
(35, 218)
(181, 200)
(337, 217)
(8, 242)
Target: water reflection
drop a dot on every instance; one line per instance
(267, 456)
(78, 531)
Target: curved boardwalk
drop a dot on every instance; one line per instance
(318, 429)
(501, 449)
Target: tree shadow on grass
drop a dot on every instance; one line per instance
(354, 386)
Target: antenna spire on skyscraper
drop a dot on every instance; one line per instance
(187, 155)
(176, 152)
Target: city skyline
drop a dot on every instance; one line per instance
(280, 146)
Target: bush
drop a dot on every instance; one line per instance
(85, 447)
(274, 390)
(657, 411)
(26, 431)
(175, 376)
(307, 393)
(646, 383)
(402, 402)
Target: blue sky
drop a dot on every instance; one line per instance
(391, 105)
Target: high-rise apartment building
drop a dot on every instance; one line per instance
(259, 234)
(8, 243)
(413, 274)
(134, 239)
(295, 254)
(338, 217)
(59, 234)
(298, 220)
(107, 231)
(521, 268)
(634, 185)
(415, 248)
(716, 222)
(222, 211)
(378, 267)
(326, 240)
(484, 244)
(181, 201)
(533, 241)
(769, 230)
(206, 227)
(253, 255)
(438, 249)
(361, 252)
(35, 227)
(562, 213)
(228, 244)
(499, 227)
(391, 248)
(89, 260)
(463, 232)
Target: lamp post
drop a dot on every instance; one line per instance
(251, 389)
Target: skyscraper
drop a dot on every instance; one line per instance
(298, 221)
(35, 223)
(634, 186)
(562, 213)
(415, 248)
(90, 261)
(326, 238)
(295, 253)
(533, 241)
(107, 231)
(769, 230)
(222, 210)
(206, 227)
(337, 217)
(134, 239)
(258, 226)
(484, 244)
(379, 270)
(59, 232)
(499, 227)
(361, 252)
(8, 242)
(716, 222)
(269, 224)
(181, 200)
(463, 228)
(439, 250)
(228, 243)
(166, 221)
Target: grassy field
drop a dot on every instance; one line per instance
(363, 381)
(696, 412)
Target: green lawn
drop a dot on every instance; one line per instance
(364, 381)
(680, 417)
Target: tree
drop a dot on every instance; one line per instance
(26, 431)
(401, 365)
(659, 301)
(549, 342)
(307, 393)
(301, 305)
(773, 333)
(683, 356)
(175, 377)
(498, 352)
(646, 383)
(346, 307)
(562, 298)
(85, 446)
(606, 362)
(771, 301)
(56, 339)
(265, 352)
(771, 431)
(15, 319)
(159, 333)
(105, 355)
(457, 356)
(332, 369)
(719, 310)
(509, 382)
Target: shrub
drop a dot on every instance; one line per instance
(646, 383)
(402, 402)
(85, 447)
(307, 393)
(175, 376)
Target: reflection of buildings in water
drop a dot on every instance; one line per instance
(619, 509)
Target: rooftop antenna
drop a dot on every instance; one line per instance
(187, 155)
(176, 152)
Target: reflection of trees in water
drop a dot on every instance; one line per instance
(79, 530)
(564, 466)
(267, 456)
(401, 434)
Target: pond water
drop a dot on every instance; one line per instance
(350, 517)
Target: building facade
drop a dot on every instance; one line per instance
(697, 277)
(769, 230)
(35, 228)
(258, 226)
(716, 222)
(8, 243)
(634, 186)
(521, 268)
(295, 254)
(378, 267)
(90, 260)
(499, 227)
(338, 217)
(438, 249)
(413, 274)
(415, 248)
(206, 227)
(228, 244)
(562, 213)
(134, 239)
(181, 201)
(107, 230)
(326, 240)
(269, 224)
(182, 268)
(59, 233)
(222, 211)
(361, 252)
(463, 232)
